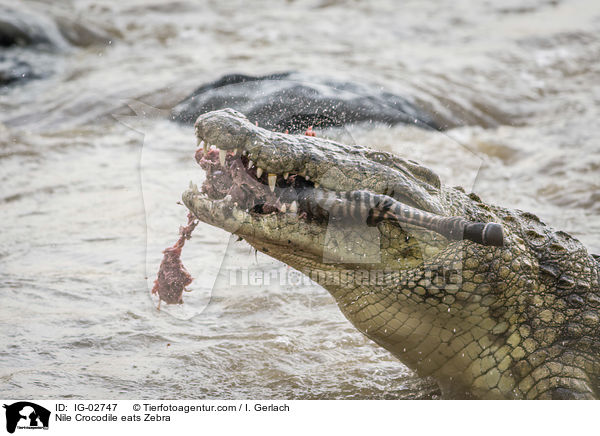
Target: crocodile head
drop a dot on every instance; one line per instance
(518, 321)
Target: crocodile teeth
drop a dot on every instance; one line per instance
(222, 156)
(235, 151)
(272, 181)
(198, 141)
(194, 188)
(245, 153)
(307, 178)
(259, 172)
(294, 207)
(228, 198)
(283, 208)
(285, 176)
(250, 163)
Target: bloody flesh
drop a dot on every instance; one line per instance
(172, 275)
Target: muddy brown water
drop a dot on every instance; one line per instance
(88, 189)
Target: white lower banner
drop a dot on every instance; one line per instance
(77, 417)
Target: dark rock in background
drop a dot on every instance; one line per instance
(294, 101)
(31, 41)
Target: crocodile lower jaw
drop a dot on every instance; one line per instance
(284, 230)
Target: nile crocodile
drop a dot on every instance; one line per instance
(521, 320)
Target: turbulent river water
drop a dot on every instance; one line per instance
(91, 171)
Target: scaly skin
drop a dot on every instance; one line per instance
(519, 321)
